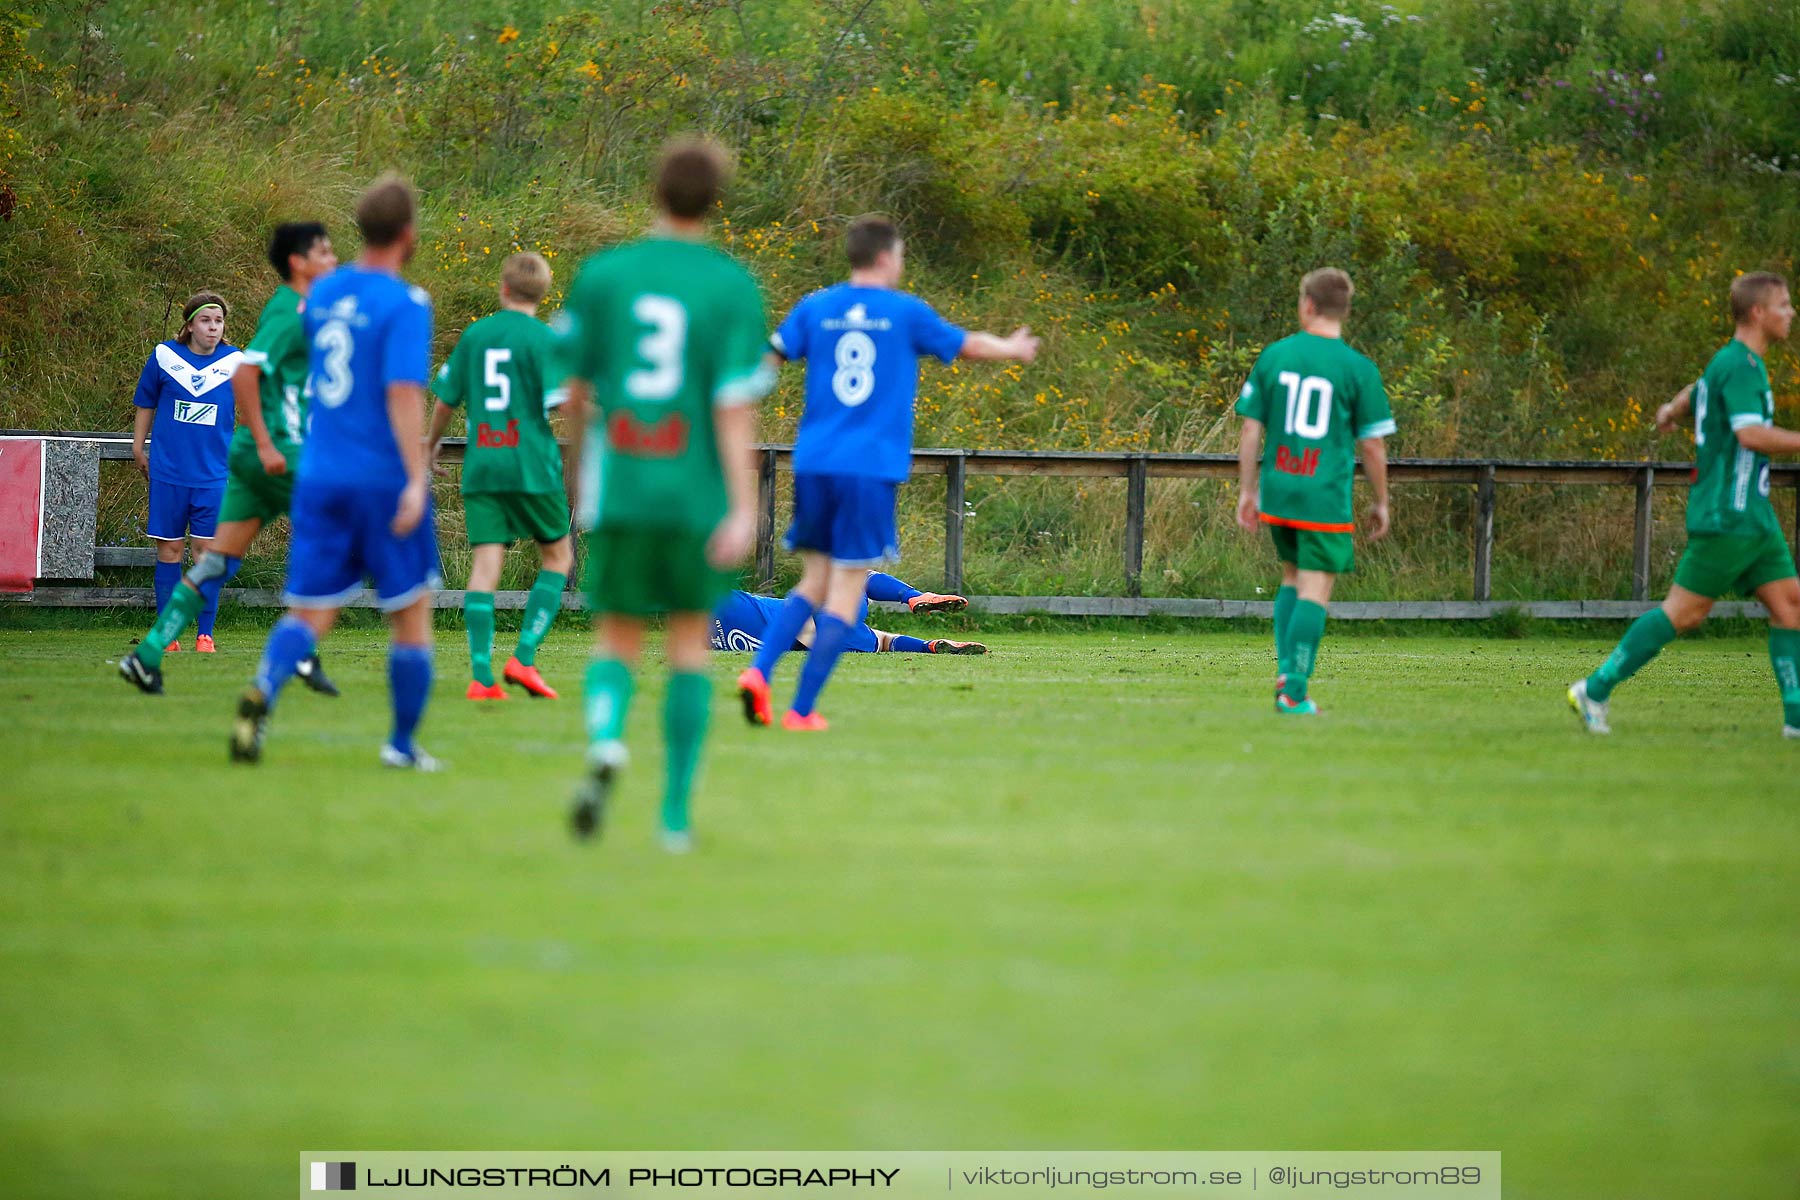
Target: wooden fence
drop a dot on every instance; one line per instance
(1486, 476)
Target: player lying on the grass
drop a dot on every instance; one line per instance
(184, 399)
(1320, 403)
(663, 340)
(265, 450)
(1735, 542)
(861, 342)
(362, 500)
(503, 375)
(742, 619)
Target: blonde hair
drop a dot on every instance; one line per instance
(191, 309)
(1748, 291)
(385, 209)
(1330, 291)
(526, 277)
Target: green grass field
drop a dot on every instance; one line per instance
(1085, 893)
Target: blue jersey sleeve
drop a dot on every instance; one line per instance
(790, 339)
(933, 335)
(147, 389)
(406, 349)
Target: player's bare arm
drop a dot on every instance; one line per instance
(1249, 463)
(140, 431)
(735, 428)
(1769, 439)
(441, 416)
(1671, 415)
(406, 415)
(246, 387)
(576, 411)
(986, 347)
(1374, 461)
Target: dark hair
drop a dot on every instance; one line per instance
(1748, 291)
(691, 176)
(196, 302)
(867, 237)
(294, 237)
(1330, 290)
(385, 210)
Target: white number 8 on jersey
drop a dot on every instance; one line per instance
(854, 378)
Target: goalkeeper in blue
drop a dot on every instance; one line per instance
(861, 342)
(362, 499)
(742, 620)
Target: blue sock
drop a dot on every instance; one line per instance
(829, 635)
(167, 576)
(409, 686)
(781, 633)
(910, 645)
(886, 587)
(289, 643)
(209, 596)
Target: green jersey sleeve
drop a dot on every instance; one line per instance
(1374, 419)
(278, 337)
(743, 378)
(578, 355)
(554, 374)
(1741, 395)
(1252, 401)
(447, 384)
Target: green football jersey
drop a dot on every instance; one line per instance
(506, 376)
(665, 330)
(281, 351)
(1731, 484)
(1316, 398)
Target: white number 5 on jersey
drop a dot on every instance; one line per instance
(496, 380)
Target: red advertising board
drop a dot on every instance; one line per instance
(21, 512)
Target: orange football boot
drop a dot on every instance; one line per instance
(753, 690)
(930, 602)
(527, 678)
(203, 644)
(810, 723)
(485, 691)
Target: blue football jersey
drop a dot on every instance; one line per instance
(862, 348)
(195, 412)
(368, 329)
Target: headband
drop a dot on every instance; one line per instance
(202, 309)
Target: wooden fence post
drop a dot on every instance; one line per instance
(765, 520)
(1641, 530)
(1484, 534)
(1137, 474)
(955, 496)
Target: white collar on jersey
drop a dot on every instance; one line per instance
(197, 381)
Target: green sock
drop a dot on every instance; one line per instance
(1285, 599)
(1306, 628)
(685, 712)
(184, 602)
(608, 698)
(1641, 643)
(540, 610)
(478, 617)
(1784, 656)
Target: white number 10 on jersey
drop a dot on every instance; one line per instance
(1308, 404)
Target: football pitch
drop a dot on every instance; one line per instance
(1086, 892)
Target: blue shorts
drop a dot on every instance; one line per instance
(848, 517)
(177, 510)
(341, 537)
(741, 620)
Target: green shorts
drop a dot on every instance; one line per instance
(1314, 549)
(647, 572)
(508, 517)
(1715, 564)
(251, 492)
